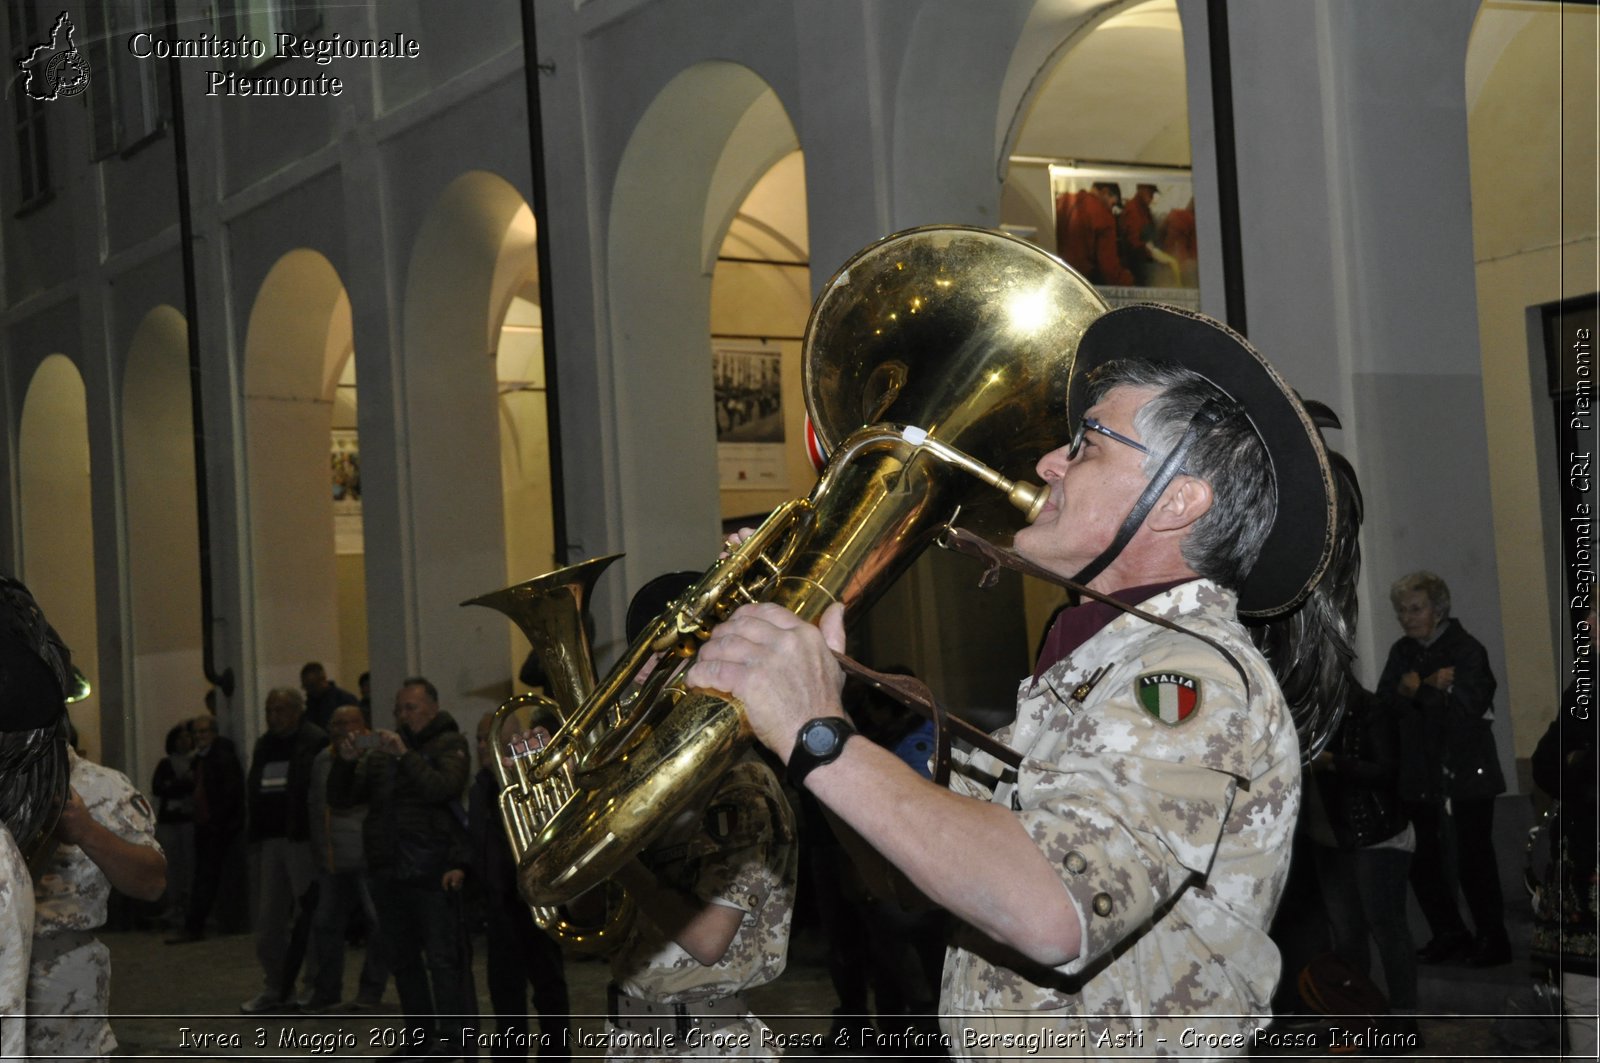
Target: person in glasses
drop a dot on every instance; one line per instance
(1113, 892)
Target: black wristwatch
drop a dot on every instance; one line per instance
(818, 742)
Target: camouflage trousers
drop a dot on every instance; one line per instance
(69, 993)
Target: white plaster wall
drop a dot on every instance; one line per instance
(1357, 248)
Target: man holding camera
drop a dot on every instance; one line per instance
(412, 781)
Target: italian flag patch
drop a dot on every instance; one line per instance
(1170, 697)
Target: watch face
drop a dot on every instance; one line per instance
(819, 739)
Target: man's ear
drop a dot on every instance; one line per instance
(1185, 501)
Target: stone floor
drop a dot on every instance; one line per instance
(166, 999)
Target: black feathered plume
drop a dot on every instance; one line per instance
(35, 673)
(1310, 649)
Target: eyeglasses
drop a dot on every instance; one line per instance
(1089, 424)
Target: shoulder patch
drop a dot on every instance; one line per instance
(722, 820)
(1171, 697)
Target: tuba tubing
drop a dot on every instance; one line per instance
(967, 334)
(881, 501)
(550, 610)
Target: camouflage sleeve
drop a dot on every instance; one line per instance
(1134, 802)
(744, 824)
(117, 805)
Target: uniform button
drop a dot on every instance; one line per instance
(1076, 862)
(1102, 904)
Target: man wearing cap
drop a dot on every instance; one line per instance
(1116, 888)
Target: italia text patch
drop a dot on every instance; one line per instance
(1170, 697)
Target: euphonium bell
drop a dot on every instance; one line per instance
(936, 365)
(551, 611)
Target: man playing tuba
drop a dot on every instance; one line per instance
(1116, 889)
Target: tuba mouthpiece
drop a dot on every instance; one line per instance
(1030, 498)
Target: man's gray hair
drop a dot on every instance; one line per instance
(1224, 544)
(1437, 590)
(290, 694)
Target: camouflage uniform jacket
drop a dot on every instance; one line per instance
(69, 976)
(16, 935)
(738, 850)
(1165, 796)
(71, 892)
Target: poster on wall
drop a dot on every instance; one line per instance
(1130, 230)
(747, 384)
(346, 468)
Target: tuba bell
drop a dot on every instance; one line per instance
(552, 611)
(936, 365)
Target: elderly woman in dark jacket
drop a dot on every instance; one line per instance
(1364, 846)
(1438, 684)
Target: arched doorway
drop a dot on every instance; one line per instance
(57, 522)
(694, 160)
(1108, 107)
(297, 347)
(760, 298)
(479, 453)
(162, 527)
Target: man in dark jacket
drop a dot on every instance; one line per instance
(323, 695)
(1437, 680)
(276, 793)
(218, 818)
(414, 834)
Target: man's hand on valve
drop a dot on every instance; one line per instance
(781, 668)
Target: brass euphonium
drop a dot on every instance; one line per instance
(936, 364)
(551, 610)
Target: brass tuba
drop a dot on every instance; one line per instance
(551, 610)
(936, 364)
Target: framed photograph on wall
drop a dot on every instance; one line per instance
(747, 384)
(1130, 230)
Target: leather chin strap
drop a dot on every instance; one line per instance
(1209, 414)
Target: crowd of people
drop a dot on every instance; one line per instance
(1106, 870)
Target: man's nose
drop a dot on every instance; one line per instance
(1054, 463)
